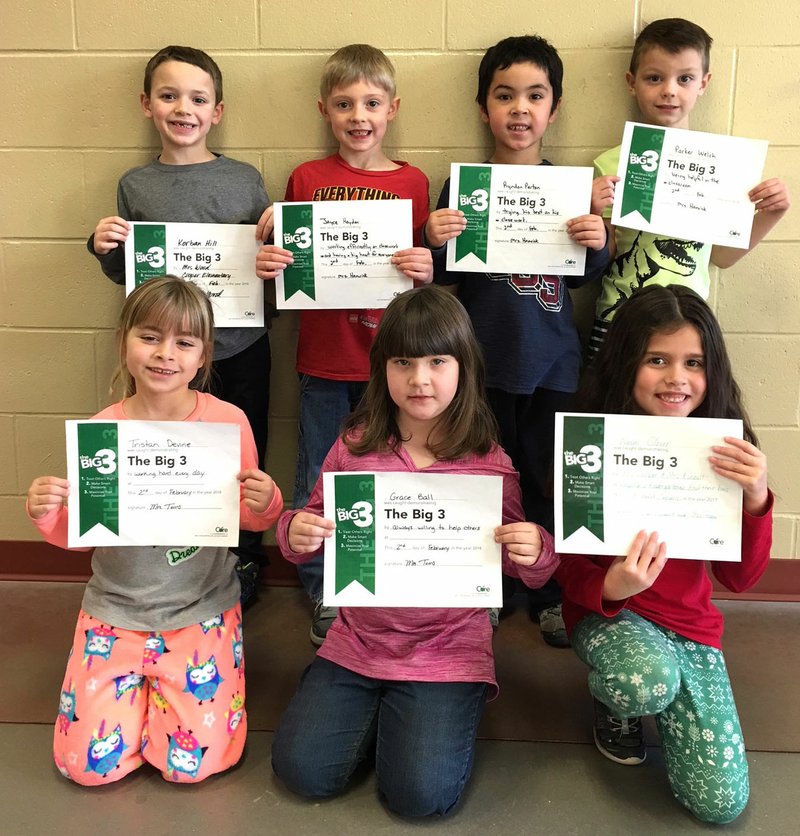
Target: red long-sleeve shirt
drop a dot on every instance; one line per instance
(680, 598)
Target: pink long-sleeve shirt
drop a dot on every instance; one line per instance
(420, 643)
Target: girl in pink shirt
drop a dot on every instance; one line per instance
(406, 686)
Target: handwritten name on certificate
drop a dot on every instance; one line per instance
(219, 258)
(153, 483)
(516, 218)
(687, 184)
(413, 540)
(342, 253)
(618, 474)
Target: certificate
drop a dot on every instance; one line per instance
(342, 253)
(219, 258)
(687, 184)
(516, 218)
(153, 483)
(618, 474)
(413, 540)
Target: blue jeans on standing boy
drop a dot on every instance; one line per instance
(324, 404)
(422, 735)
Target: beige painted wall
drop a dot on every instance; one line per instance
(71, 74)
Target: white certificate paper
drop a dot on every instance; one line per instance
(687, 184)
(342, 253)
(153, 483)
(413, 540)
(516, 218)
(219, 258)
(618, 474)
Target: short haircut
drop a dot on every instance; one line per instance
(608, 386)
(353, 63)
(524, 49)
(422, 322)
(188, 55)
(672, 34)
(169, 304)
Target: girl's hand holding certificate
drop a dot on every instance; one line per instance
(522, 540)
(746, 465)
(308, 531)
(46, 494)
(628, 576)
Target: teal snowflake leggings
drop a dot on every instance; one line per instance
(639, 668)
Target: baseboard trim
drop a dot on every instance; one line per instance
(25, 560)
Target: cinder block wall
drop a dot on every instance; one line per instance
(71, 74)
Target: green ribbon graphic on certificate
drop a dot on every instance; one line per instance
(355, 530)
(98, 481)
(474, 189)
(298, 238)
(582, 478)
(641, 173)
(149, 246)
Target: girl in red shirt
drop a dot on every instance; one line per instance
(643, 624)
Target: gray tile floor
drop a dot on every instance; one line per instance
(519, 786)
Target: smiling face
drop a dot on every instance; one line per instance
(359, 114)
(671, 380)
(666, 86)
(519, 107)
(422, 388)
(182, 105)
(161, 361)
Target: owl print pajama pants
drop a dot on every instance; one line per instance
(175, 699)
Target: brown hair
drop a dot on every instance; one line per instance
(672, 34)
(609, 383)
(188, 55)
(418, 323)
(170, 304)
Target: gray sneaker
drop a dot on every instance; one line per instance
(621, 741)
(552, 626)
(320, 623)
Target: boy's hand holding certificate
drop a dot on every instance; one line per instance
(342, 253)
(618, 474)
(153, 483)
(687, 184)
(413, 540)
(219, 258)
(516, 218)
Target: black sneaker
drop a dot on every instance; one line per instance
(248, 580)
(320, 623)
(552, 626)
(621, 741)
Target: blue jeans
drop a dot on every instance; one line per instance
(324, 404)
(422, 735)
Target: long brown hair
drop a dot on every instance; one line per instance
(608, 386)
(422, 322)
(169, 304)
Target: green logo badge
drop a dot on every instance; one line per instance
(582, 476)
(355, 530)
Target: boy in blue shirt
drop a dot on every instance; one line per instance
(524, 322)
(669, 71)
(187, 183)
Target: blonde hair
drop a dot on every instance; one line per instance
(169, 304)
(353, 63)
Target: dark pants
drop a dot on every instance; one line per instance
(527, 434)
(243, 380)
(422, 735)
